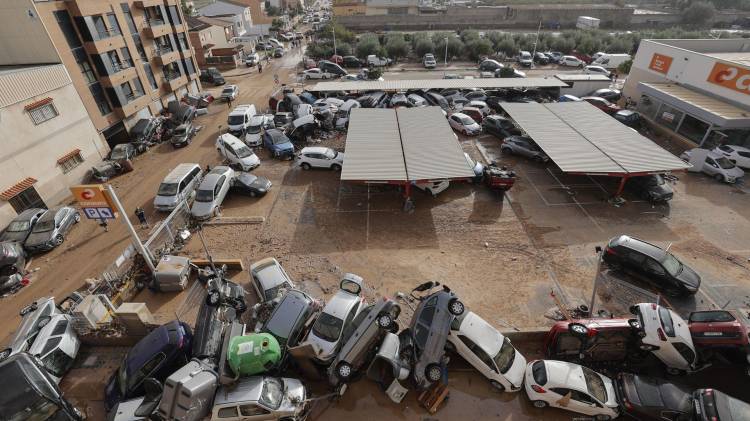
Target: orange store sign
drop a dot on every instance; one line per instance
(660, 63)
(730, 77)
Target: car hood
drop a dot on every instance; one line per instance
(295, 392)
(517, 370)
(202, 210)
(10, 236)
(689, 277)
(165, 201)
(38, 238)
(286, 146)
(323, 349)
(250, 161)
(474, 127)
(252, 139)
(735, 172)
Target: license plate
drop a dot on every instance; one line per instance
(712, 334)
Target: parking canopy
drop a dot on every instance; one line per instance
(405, 85)
(580, 138)
(403, 144)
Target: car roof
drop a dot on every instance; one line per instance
(481, 333)
(561, 373)
(158, 340)
(287, 313)
(28, 214)
(245, 390)
(269, 272)
(315, 149)
(179, 171)
(461, 115)
(231, 139)
(209, 182)
(340, 304)
(641, 246)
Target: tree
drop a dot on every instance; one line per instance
(186, 10)
(699, 14)
(455, 48)
(624, 67)
(396, 46)
(424, 46)
(342, 34)
(277, 24)
(508, 47)
(478, 48)
(367, 46)
(374, 74)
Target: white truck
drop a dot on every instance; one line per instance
(587, 23)
(611, 61)
(373, 60)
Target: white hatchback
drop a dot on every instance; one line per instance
(596, 70)
(320, 157)
(462, 123)
(667, 336)
(740, 155)
(572, 387)
(571, 61)
(316, 73)
(487, 350)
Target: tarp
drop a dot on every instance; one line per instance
(404, 85)
(580, 138)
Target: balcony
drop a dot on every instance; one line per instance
(142, 4)
(173, 81)
(134, 104)
(123, 74)
(107, 44)
(164, 57)
(155, 28)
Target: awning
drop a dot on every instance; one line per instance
(18, 188)
(699, 105)
(403, 144)
(404, 85)
(68, 155)
(580, 138)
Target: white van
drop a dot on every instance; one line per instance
(276, 43)
(236, 153)
(177, 186)
(611, 61)
(239, 119)
(57, 346)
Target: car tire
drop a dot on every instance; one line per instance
(540, 404)
(719, 177)
(601, 417)
(433, 372)
(497, 385)
(336, 167)
(253, 194)
(508, 151)
(344, 371)
(578, 329)
(77, 218)
(456, 307)
(307, 77)
(305, 166)
(213, 298)
(5, 354)
(634, 324)
(384, 321)
(59, 239)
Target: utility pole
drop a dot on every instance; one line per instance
(333, 29)
(536, 42)
(136, 240)
(445, 58)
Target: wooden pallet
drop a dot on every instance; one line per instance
(432, 398)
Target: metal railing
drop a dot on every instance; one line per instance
(107, 33)
(170, 76)
(165, 237)
(160, 51)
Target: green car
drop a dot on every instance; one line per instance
(253, 354)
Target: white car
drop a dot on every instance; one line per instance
(487, 350)
(253, 134)
(350, 78)
(571, 61)
(572, 387)
(429, 61)
(596, 70)
(236, 153)
(433, 187)
(316, 73)
(667, 336)
(714, 164)
(229, 93)
(331, 103)
(336, 318)
(740, 155)
(211, 193)
(464, 124)
(481, 105)
(320, 157)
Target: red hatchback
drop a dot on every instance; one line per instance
(602, 104)
(600, 340)
(718, 329)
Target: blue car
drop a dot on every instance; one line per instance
(158, 355)
(278, 143)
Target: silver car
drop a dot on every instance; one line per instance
(524, 146)
(269, 278)
(20, 227)
(211, 193)
(50, 230)
(261, 398)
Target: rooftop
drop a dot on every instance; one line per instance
(735, 50)
(717, 111)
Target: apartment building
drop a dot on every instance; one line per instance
(126, 58)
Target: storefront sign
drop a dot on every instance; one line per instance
(660, 63)
(730, 77)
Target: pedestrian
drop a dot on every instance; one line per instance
(229, 103)
(141, 215)
(103, 223)
(260, 68)
(208, 168)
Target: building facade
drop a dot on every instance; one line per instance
(49, 141)
(126, 58)
(392, 7)
(349, 7)
(205, 35)
(697, 89)
(239, 13)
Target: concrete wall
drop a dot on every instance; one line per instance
(31, 150)
(23, 40)
(457, 18)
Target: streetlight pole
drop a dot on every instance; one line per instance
(333, 29)
(445, 58)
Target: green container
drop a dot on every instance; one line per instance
(253, 354)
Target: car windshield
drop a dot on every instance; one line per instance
(18, 226)
(724, 163)
(180, 131)
(328, 327)
(279, 139)
(272, 393)
(330, 154)
(236, 119)
(204, 196)
(44, 225)
(466, 121)
(711, 316)
(666, 321)
(595, 384)
(504, 358)
(254, 129)
(167, 189)
(671, 264)
(227, 91)
(118, 153)
(243, 151)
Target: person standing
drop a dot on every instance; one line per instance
(103, 223)
(260, 67)
(141, 215)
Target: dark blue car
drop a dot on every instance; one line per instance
(278, 143)
(157, 355)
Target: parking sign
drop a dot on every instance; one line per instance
(99, 213)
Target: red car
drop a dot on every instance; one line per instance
(309, 63)
(583, 57)
(718, 329)
(474, 113)
(602, 104)
(596, 339)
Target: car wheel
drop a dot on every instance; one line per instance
(540, 404)
(601, 417)
(59, 239)
(77, 218)
(384, 321)
(325, 77)
(635, 324)
(498, 386)
(253, 194)
(213, 298)
(344, 371)
(456, 307)
(305, 166)
(307, 77)
(509, 151)
(578, 329)
(719, 177)
(336, 167)
(433, 372)
(5, 354)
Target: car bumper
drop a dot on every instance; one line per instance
(36, 248)
(180, 143)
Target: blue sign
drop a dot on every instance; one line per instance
(99, 213)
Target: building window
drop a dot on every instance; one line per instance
(139, 47)
(71, 160)
(188, 63)
(127, 61)
(27, 199)
(150, 75)
(693, 129)
(43, 113)
(174, 16)
(669, 117)
(137, 87)
(101, 100)
(114, 61)
(83, 28)
(183, 42)
(127, 91)
(129, 18)
(83, 64)
(101, 27)
(114, 27)
(66, 26)
(171, 71)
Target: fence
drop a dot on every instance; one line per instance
(165, 236)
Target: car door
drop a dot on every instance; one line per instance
(477, 357)
(254, 412)
(560, 397)
(584, 403)
(525, 149)
(656, 272)
(633, 260)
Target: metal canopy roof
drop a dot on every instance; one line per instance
(700, 105)
(373, 146)
(404, 85)
(404, 144)
(581, 138)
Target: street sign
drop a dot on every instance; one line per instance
(91, 196)
(99, 213)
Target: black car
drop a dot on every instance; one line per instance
(478, 95)
(281, 119)
(351, 61)
(651, 187)
(541, 58)
(251, 185)
(212, 75)
(399, 100)
(648, 398)
(290, 320)
(495, 103)
(656, 266)
(12, 264)
(423, 343)
(435, 98)
(629, 118)
(712, 405)
(331, 67)
(373, 99)
(611, 95)
(20, 227)
(499, 126)
(490, 65)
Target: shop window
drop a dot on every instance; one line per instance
(668, 117)
(693, 129)
(43, 113)
(27, 199)
(648, 106)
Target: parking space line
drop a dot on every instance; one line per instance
(596, 224)
(597, 183)
(537, 191)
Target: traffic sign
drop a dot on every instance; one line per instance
(99, 213)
